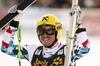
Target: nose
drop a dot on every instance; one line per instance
(45, 35)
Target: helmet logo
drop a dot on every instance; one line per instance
(45, 18)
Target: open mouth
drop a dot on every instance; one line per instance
(45, 39)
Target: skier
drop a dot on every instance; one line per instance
(52, 53)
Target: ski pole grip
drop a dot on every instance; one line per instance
(19, 32)
(67, 37)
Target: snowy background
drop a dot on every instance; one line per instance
(29, 36)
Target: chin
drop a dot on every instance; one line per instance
(45, 45)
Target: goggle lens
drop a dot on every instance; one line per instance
(49, 30)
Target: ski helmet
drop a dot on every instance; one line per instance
(49, 19)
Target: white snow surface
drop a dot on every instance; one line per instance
(29, 36)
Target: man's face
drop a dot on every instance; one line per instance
(47, 40)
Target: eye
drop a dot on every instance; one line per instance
(49, 30)
(41, 30)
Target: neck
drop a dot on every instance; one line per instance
(52, 44)
(56, 45)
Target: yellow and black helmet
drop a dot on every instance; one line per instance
(49, 19)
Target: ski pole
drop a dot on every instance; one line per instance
(19, 41)
(67, 36)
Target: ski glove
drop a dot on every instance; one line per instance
(13, 9)
(77, 9)
(77, 47)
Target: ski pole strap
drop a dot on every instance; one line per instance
(19, 41)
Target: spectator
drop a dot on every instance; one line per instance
(88, 3)
(4, 3)
(45, 3)
(62, 3)
(9, 3)
(96, 3)
(80, 3)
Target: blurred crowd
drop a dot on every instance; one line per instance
(53, 3)
(8, 3)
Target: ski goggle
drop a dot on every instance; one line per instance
(48, 29)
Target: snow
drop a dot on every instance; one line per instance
(29, 36)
